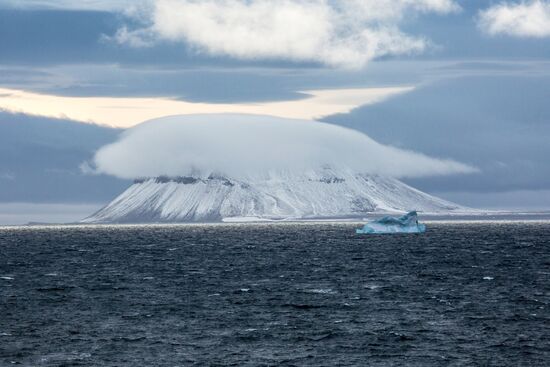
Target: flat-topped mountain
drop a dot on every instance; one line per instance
(314, 195)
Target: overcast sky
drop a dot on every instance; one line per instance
(463, 80)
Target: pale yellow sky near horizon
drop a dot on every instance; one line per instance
(126, 112)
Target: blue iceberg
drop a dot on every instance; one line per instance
(405, 224)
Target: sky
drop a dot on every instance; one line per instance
(464, 80)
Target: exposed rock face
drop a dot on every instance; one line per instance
(322, 194)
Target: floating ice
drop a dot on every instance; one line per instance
(405, 224)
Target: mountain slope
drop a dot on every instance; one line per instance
(325, 194)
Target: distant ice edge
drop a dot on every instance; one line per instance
(322, 195)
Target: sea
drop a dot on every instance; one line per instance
(310, 294)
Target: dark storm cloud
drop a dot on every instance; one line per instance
(40, 160)
(499, 124)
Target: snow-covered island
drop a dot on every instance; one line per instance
(317, 195)
(234, 167)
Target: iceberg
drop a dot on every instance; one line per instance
(405, 224)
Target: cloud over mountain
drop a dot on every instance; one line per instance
(253, 145)
(344, 34)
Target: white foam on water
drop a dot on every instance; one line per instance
(322, 291)
(6, 278)
(371, 286)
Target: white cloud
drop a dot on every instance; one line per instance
(523, 19)
(335, 33)
(253, 145)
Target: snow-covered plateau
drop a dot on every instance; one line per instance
(320, 194)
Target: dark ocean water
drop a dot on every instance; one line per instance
(267, 295)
